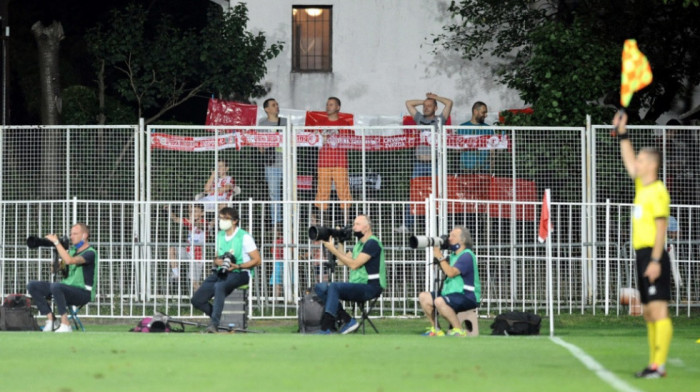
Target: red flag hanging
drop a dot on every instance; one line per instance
(222, 112)
(545, 222)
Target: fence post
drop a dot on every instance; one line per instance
(607, 256)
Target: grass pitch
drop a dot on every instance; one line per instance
(107, 358)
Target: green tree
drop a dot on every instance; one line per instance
(534, 40)
(158, 66)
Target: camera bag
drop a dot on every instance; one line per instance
(16, 314)
(310, 313)
(516, 323)
(156, 323)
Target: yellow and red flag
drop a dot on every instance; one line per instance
(636, 72)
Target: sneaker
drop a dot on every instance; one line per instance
(650, 372)
(433, 332)
(402, 230)
(64, 328)
(48, 327)
(350, 326)
(211, 328)
(323, 332)
(457, 332)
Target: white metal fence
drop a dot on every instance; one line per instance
(133, 184)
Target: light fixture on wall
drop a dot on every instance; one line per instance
(313, 12)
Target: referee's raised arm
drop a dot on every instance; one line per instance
(626, 149)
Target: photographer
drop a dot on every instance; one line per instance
(461, 290)
(367, 277)
(80, 285)
(233, 267)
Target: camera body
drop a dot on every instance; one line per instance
(227, 260)
(34, 241)
(421, 241)
(321, 233)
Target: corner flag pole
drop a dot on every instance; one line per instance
(544, 235)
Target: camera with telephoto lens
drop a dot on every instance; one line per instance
(227, 260)
(34, 242)
(321, 233)
(421, 241)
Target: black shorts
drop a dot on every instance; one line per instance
(661, 289)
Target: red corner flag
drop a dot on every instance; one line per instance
(545, 222)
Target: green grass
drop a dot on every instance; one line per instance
(106, 358)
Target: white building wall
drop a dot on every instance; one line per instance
(382, 56)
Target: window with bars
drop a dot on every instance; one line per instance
(312, 39)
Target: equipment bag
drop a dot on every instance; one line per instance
(516, 323)
(310, 313)
(16, 314)
(156, 323)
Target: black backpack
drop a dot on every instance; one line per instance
(310, 313)
(516, 323)
(16, 314)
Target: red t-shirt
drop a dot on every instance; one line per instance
(329, 155)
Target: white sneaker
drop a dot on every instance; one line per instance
(65, 328)
(48, 327)
(402, 229)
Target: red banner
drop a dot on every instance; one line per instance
(241, 139)
(222, 112)
(164, 141)
(321, 119)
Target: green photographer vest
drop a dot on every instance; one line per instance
(234, 245)
(456, 284)
(79, 274)
(374, 270)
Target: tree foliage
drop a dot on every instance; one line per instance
(158, 66)
(568, 52)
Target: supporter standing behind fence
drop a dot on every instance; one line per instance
(367, 277)
(272, 159)
(219, 186)
(237, 257)
(476, 161)
(78, 288)
(332, 160)
(461, 290)
(422, 165)
(649, 222)
(196, 235)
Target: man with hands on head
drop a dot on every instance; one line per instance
(422, 165)
(367, 277)
(78, 288)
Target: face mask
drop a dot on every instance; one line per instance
(454, 247)
(225, 224)
(358, 234)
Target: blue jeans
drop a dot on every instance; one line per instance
(273, 175)
(420, 169)
(62, 294)
(219, 289)
(331, 294)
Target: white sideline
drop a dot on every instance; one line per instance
(606, 375)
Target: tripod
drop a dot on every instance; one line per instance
(438, 282)
(55, 271)
(167, 319)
